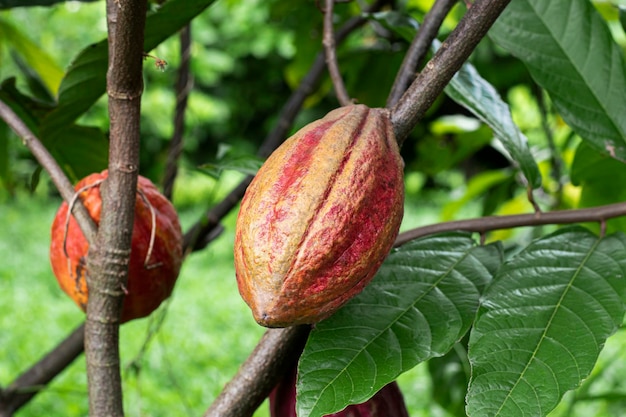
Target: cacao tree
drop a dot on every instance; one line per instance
(508, 322)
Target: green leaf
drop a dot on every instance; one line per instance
(80, 151)
(85, 80)
(37, 58)
(601, 179)
(451, 148)
(423, 299)
(477, 186)
(569, 51)
(450, 375)
(474, 93)
(30, 111)
(400, 24)
(543, 322)
(248, 165)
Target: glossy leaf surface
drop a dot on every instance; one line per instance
(569, 51)
(421, 302)
(543, 322)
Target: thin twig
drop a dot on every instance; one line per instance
(490, 223)
(331, 55)
(86, 224)
(183, 88)
(438, 72)
(418, 49)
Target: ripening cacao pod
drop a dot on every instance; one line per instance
(319, 218)
(388, 402)
(153, 267)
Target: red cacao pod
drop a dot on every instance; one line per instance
(388, 402)
(150, 278)
(319, 217)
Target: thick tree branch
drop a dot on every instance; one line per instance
(454, 51)
(46, 160)
(108, 259)
(418, 49)
(331, 55)
(277, 352)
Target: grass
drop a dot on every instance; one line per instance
(207, 329)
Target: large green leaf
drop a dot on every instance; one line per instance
(85, 80)
(568, 50)
(423, 299)
(478, 96)
(543, 322)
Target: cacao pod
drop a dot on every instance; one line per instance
(150, 278)
(388, 402)
(319, 218)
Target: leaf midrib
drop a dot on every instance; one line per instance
(387, 328)
(543, 337)
(574, 63)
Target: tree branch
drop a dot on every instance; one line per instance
(490, 223)
(107, 260)
(87, 225)
(454, 51)
(418, 49)
(277, 352)
(331, 55)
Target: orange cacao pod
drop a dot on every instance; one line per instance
(388, 402)
(319, 217)
(150, 278)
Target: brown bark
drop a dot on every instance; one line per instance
(108, 258)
